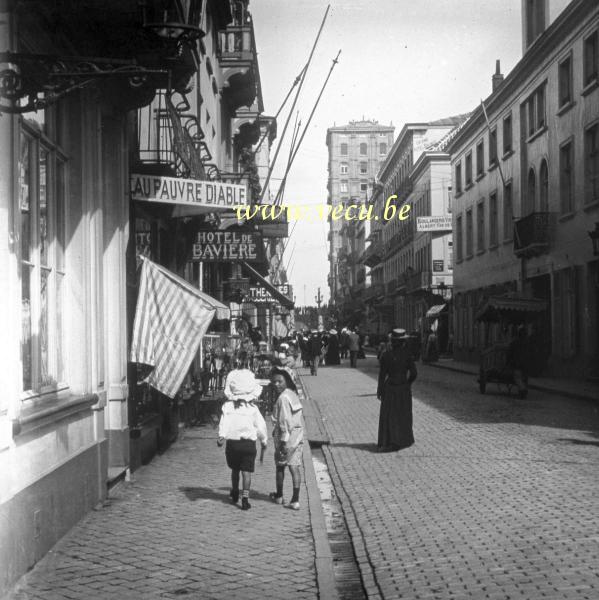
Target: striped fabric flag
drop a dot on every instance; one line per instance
(171, 318)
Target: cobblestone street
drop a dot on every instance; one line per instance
(497, 499)
(173, 533)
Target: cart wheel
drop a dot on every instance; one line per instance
(482, 382)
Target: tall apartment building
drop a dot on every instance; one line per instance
(526, 190)
(356, 152)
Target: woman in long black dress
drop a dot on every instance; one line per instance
(397, 372)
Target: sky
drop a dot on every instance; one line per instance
(401, 61)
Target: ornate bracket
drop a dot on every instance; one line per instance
(43, 79)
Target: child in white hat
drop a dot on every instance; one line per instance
(241, 424)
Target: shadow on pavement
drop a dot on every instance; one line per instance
(457, 395)
(578, 442)
(360, 446)
(220, 494)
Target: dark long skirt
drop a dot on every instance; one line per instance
(395, 419)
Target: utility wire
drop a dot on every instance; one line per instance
(295, 82)
(301, 83)
(299, 142)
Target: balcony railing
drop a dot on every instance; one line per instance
(532, 234)
(373, 254)
(171, 141)
(391, 286)
(417, 282)
(372, 292)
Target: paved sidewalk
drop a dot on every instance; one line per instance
(571, 388)
(173, 533)
(498, 498)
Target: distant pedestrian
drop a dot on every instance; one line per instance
(343, 343)
(397, 372)
(354, 347)
(241, 424)
(332, 356)
(288, 435)
(517, 359)
(314, 352)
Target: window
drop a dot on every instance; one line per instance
(458, 178)
(468, 169)
(590, 72)
(544, 187)
(459, 238)
(591, 164)
(566, 179)
(343, 187)
(480, 227)
(508, 213)
(382, 149)
(41, 197)
(480, 158)
(493, 147)
(343, 168)
(343, 149)
(535, 110)
(363, 149)
(469, 233)
(493, 220)
(363, 168)
(363, 186)
(564, 77)
(507, 134)
(531, 191)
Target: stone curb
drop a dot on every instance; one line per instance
(323, 560)
(532, 386)
(367, 571)
(365, 566)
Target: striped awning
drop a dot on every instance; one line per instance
(515, 308)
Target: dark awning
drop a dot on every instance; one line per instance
(272, 290)
(512, 308)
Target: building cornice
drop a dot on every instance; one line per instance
(546, 45)
(426, 158)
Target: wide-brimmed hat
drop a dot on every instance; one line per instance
(398, 334)
(287, 374)
(242, 385)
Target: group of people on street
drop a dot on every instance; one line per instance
(242, 425)
(329, 347)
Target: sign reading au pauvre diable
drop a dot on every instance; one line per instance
(215, 195)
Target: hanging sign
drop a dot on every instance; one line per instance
(215, 195)
(434, 223)
(227, 246)
(260, 295)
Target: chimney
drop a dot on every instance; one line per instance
(497, 77)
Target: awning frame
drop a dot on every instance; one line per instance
(273, 291)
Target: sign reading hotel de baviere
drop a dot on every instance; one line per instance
(191, 192)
